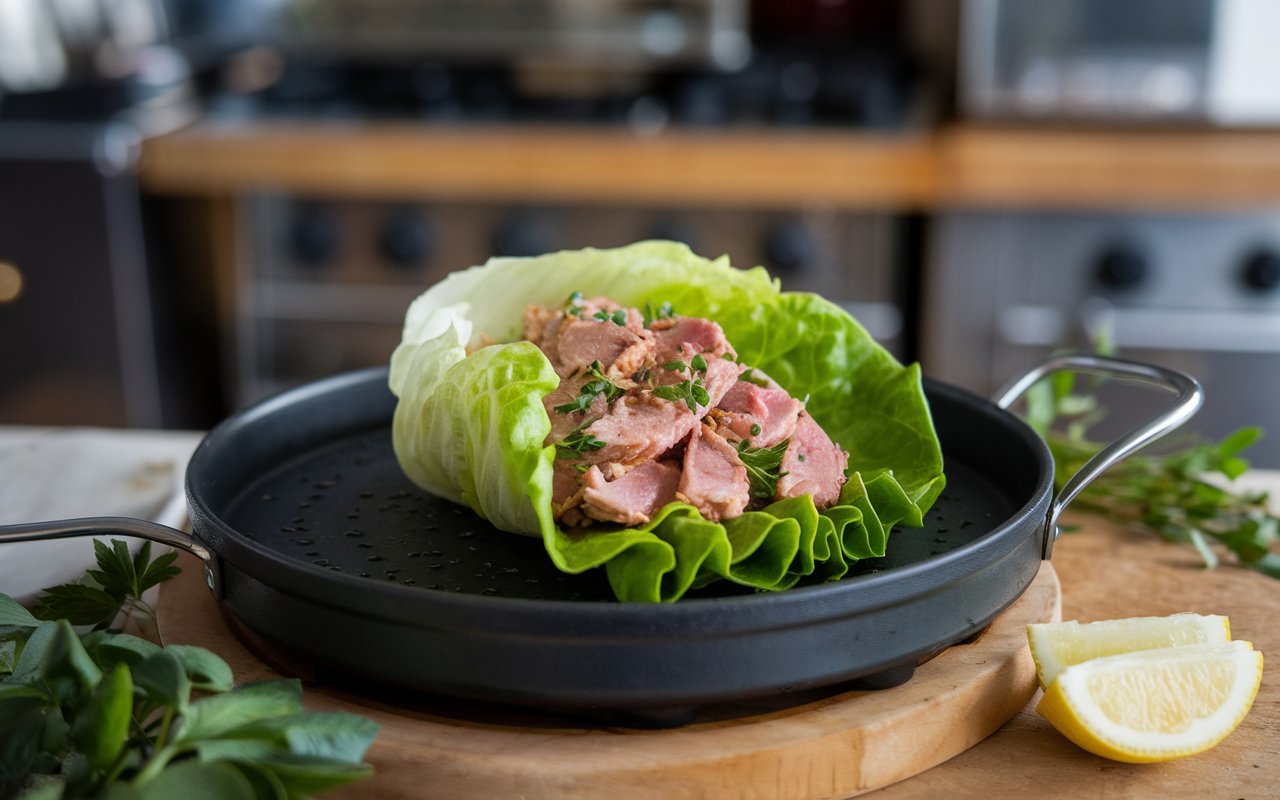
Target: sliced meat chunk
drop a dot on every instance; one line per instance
(812, 465)
(536, 320)
(703, 335)
(632, 499)
(566, 485)
(773, 410)
(639, 428)
(584, 342)
(720, 377)
(713, 479)
(562, 423)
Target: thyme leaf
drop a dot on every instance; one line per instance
(764, 466)
(578, 442)
(592, 389)
(692, 392)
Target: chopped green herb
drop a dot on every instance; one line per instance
(673, 366)
(800, 456)
(763, 466)
(592, 389)
(692, 392)
(578, 442)
(582, 467)
(571, 306)
(699, 363)
(663, 311)
(755, 429)
(618, 317)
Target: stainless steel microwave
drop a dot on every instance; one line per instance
(1211, 62)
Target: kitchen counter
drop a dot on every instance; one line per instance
(1105, 572)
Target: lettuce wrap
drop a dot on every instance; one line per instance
(470, 424)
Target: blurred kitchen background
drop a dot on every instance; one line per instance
(205, 201)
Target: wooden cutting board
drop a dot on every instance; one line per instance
(825, 745)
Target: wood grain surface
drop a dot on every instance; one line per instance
(808, 752)
(543, 163)
(832, 744)
(954, 167)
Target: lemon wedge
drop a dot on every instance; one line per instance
(1056, 646)
(1155, 705)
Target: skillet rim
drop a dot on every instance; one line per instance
(392, 602)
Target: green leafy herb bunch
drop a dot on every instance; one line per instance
(110, 715)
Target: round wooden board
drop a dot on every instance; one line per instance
(835, 746)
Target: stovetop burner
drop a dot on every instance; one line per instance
(783, 87)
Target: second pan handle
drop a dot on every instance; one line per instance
(1190, 396)
(122, 526)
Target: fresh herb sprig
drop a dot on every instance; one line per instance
(118, 584)
(1178, 494)
(601, 385)
(764, 466)
(663, 311)
(113, 715)
(578, 442)
(692, 392)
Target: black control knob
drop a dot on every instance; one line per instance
(1122, 267)
(1261, 271)
(406, 238)
(524, 235)
(790, 247)
(314, 235)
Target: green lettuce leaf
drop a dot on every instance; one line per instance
(471, 427)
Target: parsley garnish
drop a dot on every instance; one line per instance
(674, 365)
(601, 385)
(699, 363)
(108, 714)
(663, 311)
(117, 584)
(763, 466)
(692, 392)
(619, 317)
(578, 442)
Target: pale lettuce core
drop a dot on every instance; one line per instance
(471, 428)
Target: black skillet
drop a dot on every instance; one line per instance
(312, 538)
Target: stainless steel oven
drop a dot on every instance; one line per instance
(327, 280)
(1197, 292)
(1136, 61)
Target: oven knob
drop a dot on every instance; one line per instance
(314, 237)
(523, 235)
(790, 247)
(406, 238)
(1122, 267)
(1262, 271)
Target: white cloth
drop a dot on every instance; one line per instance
(63, 473)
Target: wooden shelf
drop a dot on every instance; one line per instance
(548, 164)
(1159, 170)
(960, 167)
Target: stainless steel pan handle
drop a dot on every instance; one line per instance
(122, 526)
(1190, 396)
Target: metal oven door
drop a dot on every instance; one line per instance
(1198, 293)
